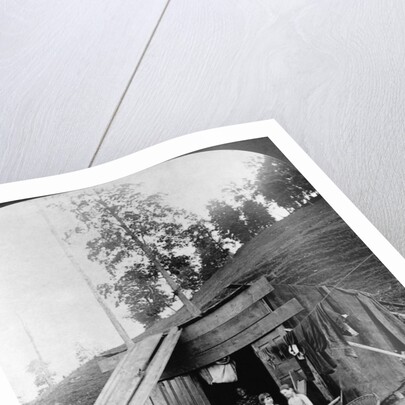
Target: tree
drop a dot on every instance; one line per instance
(256, 216)
(43, 377)
(84, 354)
(212, 253)
(228, 222)
(243, 217)
(137, 238)
(248, 208)
(283, 184)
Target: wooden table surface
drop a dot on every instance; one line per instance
(85, 82)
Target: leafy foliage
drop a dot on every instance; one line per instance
(120, 221)
(256, 216)
(213, 255)
(283, 184)
(239, 222)
(84, 354)
(43, 377)
(250, 207)
(227, 221)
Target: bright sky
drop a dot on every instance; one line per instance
(39, 284)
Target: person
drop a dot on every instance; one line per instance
(244, 398)
(266, 399)
(293, 397)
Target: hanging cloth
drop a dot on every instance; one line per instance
(333, 327)
(323, 328)
(388, 323)
(222, 371)
(342, 320)
(299, 353)
(310, 337)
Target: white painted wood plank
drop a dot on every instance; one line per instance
(63, 68)
(330, 72)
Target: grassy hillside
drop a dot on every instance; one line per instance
(81, 387)
(311, 246)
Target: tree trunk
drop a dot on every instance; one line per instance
(194, 310)
(115, 322)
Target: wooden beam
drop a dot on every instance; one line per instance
(320, 383)
(213, 321)
(230, 309)
(398, 314)
(227, 330)
(376, 350)
(335, 401)
(155, 369)
(185, 362)
(393, 304)
(129, 373)
(109, 363)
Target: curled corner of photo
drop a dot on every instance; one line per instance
(138, 161)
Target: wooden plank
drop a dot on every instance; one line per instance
(157, 396)
(181, 393)
(156, 367)
(109, 363)
(227, 311)
(320, 383)
(263, 356)
(211, 321)
(182, 364)
(227, 330)
(168, 393)
(64, 67)
(191, 390)
(183, 390)
(377, 350)
(128, 374)
(194, 385)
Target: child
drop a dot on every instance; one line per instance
(266, 399)
(293, 397)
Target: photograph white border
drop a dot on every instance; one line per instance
(135, 162)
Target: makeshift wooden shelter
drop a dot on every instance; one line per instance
(249, 323)
(248, 307)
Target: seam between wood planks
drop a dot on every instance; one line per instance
(138, 64)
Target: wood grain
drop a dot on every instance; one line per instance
(183, 362)
(330, 72)
(63, 68)
(155, 368)
(227, 311)
(227, 330)
(128, 374)
(184, 390)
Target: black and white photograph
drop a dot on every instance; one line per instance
(220, 277)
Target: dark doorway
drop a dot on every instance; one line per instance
(252, 375)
